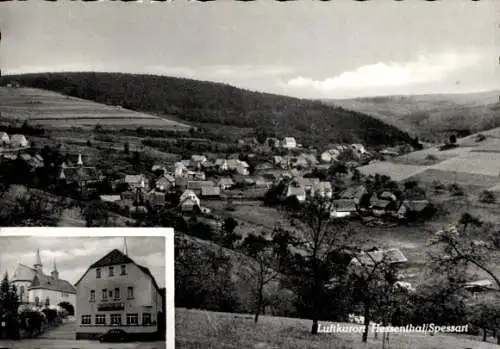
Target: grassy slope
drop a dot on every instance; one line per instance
(204, 329)
(431, 116)
(215, 103)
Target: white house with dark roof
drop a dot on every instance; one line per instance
(289, 143)
(4, 138)
(36, 288)
(19, 141)
(117, 293)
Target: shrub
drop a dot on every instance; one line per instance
(448, 146)
(480, 137)
(456, 190)
(438, 186)
(431, 157)
(487, 197)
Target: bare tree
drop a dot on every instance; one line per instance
(319, 237)
(266, 268)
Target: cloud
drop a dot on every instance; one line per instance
(424, 69)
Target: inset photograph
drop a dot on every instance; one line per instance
(82, 292)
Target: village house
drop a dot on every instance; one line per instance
(225, 183)
(392, 257)
(180, 169)
(264, 166)
(155, 198)
(289, 143)
(189, 201)
(165, 182)
(84, 177)
(409, 207)
(4, 138)
(196, 186)
(33, 162)
(110, 198)
(221, 165)
(36, 288)
(272, 142)
(295, 188)
(322, 189)
(210, 192)
(354, 193)
(18, 141)
(261, 182)
(342, 208)
(117, 293)
(135, 182)
(238, 166)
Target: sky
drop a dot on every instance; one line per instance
(73, 256)
(305, 48)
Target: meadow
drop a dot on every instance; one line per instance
(206, 329)
(54, 110)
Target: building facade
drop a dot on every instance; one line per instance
(34, 287)
(115, 292)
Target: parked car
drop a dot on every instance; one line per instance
(114, 335)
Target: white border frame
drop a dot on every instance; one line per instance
(168, 233)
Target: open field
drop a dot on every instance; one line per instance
(205, 329)
(472, 164)
(50, 109)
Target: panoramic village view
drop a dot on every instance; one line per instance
(302, 204)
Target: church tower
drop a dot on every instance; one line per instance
(38, 263)
(80, 161)
(54, 273)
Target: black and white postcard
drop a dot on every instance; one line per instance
(331, 170)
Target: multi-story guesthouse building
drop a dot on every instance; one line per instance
(116, 292)
(34, 287)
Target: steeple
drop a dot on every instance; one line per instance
(38, 263)
(80, 161)
(54, 273)
(125, 250)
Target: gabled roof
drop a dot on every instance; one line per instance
(45, 282)
(199, 184)
(117, 257)
(23, 273)
(134, 179)
(389, 256)
(344, 205)
(210, 191)
(225, 181)
(416, 205)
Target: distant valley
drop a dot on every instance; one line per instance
(431, 117)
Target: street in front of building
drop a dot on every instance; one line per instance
(40, 343)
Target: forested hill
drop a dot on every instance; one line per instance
(214, 103)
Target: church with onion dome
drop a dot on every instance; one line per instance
(36, 288)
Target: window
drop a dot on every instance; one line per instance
(111, 273)
(117, 293)
(110, 294)
(98, 273)
(92, 295)
(132, 319)
(86, 320)
(130, 293)
(146, 319)
(100, 319)
(116, 319)
(124, 270)
(104, 294)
